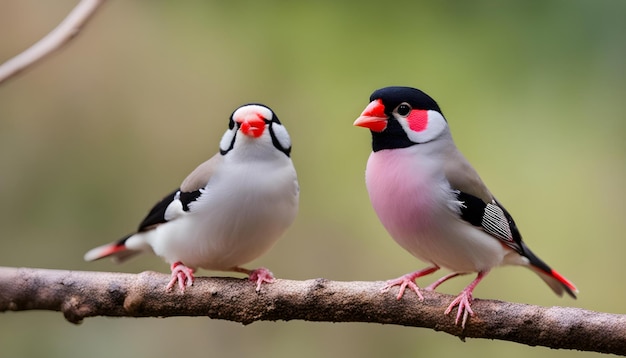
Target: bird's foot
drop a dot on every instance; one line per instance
(404, 282)
(408, 280)
(260, 276)
(464, 301)
(181, 274)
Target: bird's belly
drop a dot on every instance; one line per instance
(211, 246)
(220, 237)
(419, 212)
(454, 247)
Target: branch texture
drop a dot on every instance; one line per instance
(62, 34)
(86, 294)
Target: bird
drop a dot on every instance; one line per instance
(434, 204)
(228, 211)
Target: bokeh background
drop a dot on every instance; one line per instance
(534, 90)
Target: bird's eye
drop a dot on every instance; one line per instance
(404, 109)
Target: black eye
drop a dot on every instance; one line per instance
(404, 109)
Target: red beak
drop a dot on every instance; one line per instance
(252, 125)
(373, 117)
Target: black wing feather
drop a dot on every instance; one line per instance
(156, 215)
(473, 208)
(188, 197)
(492, 218)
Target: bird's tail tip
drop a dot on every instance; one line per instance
(567, 285)
(118, 251)
(557, 282)
(104, 251)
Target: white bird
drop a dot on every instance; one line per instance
(432, 201)
(230, 210)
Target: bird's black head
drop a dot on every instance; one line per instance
(395, 95)
(400, 117)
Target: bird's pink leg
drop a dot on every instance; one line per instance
(464, 300)
(260, 275)
(445, 278)
(409, 280)
(181, 274)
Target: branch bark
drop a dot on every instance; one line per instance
(62, 34)
(86, 294)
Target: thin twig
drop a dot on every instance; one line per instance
(62, 34)
(85, 294)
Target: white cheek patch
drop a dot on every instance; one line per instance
(280, 132)
(227, 139)
(423, 127)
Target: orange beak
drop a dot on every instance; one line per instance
(373, 117)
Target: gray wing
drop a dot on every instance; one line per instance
(200, 177)
(479, 207)
(177, 202)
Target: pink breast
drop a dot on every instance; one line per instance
(401, 193)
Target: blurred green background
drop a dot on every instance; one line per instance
(535, 93)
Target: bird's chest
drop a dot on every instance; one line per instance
(238, 217)
(409, 193)
(247, 200)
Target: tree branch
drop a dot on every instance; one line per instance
(86, 294)
(62, 34)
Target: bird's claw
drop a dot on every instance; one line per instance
(463, 301)
(408, 280)
(404, 282)
(181, 274)
(260, 276)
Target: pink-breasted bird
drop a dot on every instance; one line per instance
(432, 201)
(230, 210)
